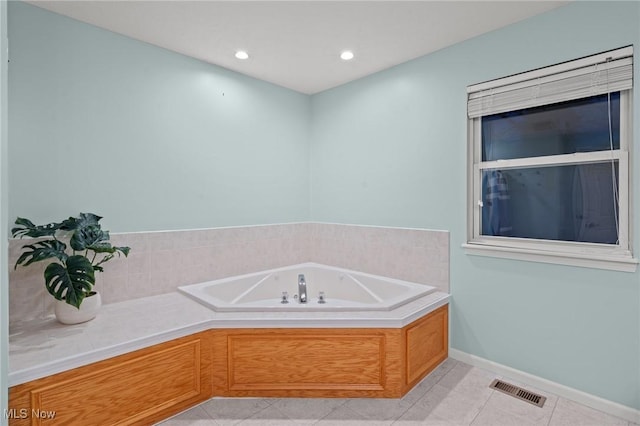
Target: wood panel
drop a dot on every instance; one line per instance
(308, 362)
(312, 361)
(219, 340)
(136, 388)
(427, 344)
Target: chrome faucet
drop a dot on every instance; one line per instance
(302, 289)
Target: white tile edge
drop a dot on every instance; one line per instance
(443, 299)
(593, 401)
(69, 363)
(64, 364)
(403, 228)
(264, 225)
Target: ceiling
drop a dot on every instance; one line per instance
(296, 44)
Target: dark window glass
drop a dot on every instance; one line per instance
(581, 125)
(565, 203)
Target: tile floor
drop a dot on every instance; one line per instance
(454, 394)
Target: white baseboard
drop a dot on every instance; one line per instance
(604, 405)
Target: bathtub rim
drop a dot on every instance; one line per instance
(64, 354)
(196, 293)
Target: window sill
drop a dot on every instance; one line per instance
(613, 263)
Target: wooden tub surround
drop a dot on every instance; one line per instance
(141, 387)
(151, 384)
(343, 362)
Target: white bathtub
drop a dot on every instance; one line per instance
(344, 290)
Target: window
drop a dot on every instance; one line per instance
(548, 164)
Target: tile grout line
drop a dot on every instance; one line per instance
(427, 391)
(553, 410)
(482, 408)
(329, 413)
(260, 411)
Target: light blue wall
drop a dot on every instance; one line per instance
(4, 185)
(150, 139)
(390, 149)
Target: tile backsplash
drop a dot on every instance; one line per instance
(159, 262)
(417, 255)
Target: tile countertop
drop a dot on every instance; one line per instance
(43, 347)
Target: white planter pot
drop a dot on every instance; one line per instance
(68, 314)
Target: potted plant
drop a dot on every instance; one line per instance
(70, 277)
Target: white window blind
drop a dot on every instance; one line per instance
(594, 75)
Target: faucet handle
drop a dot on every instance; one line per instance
(285, 297)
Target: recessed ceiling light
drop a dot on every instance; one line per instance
(347, 55)
(241, 54)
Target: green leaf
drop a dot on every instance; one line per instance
(124, 250)
(106, 247)
(83, 220)
(102, 247)
(42, 250)
(26, 228)
(88, 237)
(70, 283)
(111, 254)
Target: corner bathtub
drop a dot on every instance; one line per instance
(291, 355)
(344, 290)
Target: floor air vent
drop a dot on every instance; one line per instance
(518, 392)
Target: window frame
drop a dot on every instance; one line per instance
(595, 255)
